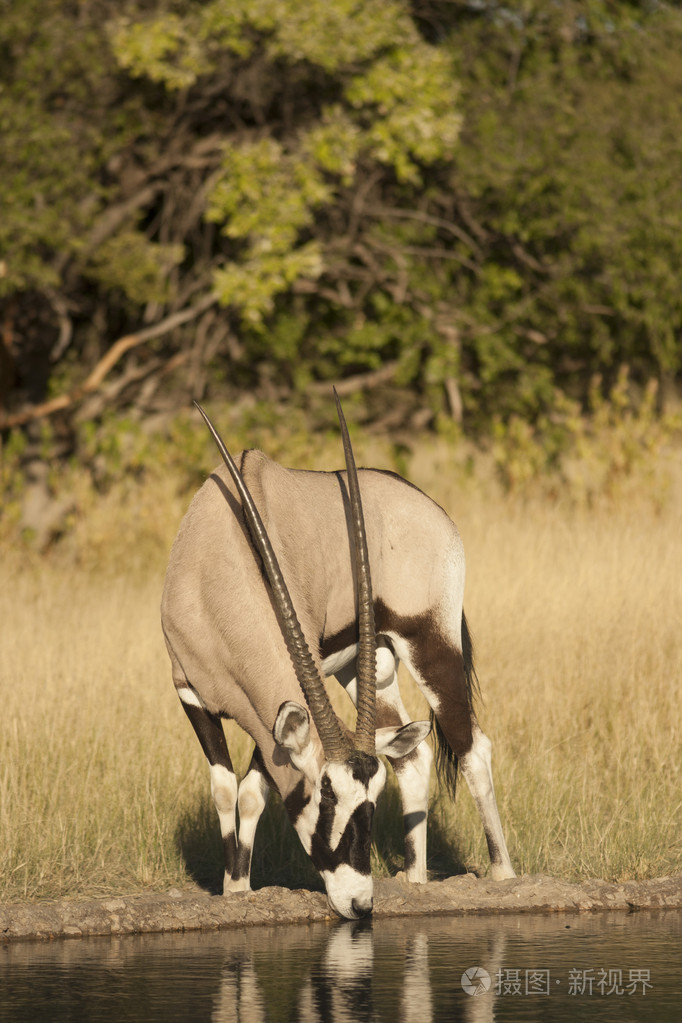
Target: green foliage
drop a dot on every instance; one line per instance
(483, 197)
(177, 48)
(66, 118)
(619, 446)
(160, 49)
(136, 266)
(566, 161)
(49, 145)
(266, 198)
(398, 110)
(414, 92)
(12, 481)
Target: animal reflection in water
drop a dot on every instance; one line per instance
(339, 984)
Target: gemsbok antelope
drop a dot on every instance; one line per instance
(267, 591)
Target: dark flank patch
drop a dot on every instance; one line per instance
(387, 716)
(230, 853)
(449, 673)
(447, 755)
(442, 667)
(296, 801)
(339, 640)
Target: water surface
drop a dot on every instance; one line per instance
(606, 967)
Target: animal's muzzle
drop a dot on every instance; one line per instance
(362, 907)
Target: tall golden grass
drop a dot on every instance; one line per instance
(576, 616)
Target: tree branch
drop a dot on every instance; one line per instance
(393, 213)
(360, 382)
(94, 380)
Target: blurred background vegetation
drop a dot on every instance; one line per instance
(466, 214)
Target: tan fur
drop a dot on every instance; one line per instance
(226, 644)
(220, 628)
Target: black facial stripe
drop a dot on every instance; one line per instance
(328, 804)
(355, 843)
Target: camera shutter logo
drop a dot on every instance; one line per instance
(476, 981)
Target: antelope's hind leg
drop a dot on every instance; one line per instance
(253, 794)
(476, 767)
(439, 670)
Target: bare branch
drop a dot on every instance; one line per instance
(94, 380)
(381, 212)
(360, 382)
(152, 370)
(454, 396)
(110, 221)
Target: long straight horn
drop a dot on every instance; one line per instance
(334, 742)
(365, 728)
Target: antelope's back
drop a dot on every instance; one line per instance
(215, 594)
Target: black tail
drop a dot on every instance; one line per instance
(446, 761)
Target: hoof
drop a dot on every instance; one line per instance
(500, 873)
(241, 885)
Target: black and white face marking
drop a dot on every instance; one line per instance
(336, 830)
(334, 816)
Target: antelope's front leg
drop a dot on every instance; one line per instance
(209, 730)
(251, 800)
(413, 771)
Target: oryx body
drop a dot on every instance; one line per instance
(230, 660)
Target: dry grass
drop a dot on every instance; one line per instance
(577, 619)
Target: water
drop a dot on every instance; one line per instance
(539, 968)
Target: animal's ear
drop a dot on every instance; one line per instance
(292, 731)
(398, 742)
(292, 727)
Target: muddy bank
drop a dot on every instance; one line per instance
(190, 911)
